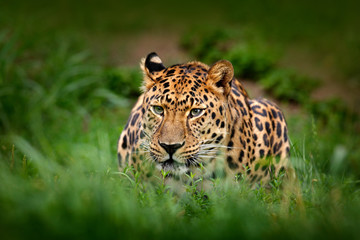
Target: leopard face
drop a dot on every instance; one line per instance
(185, 112)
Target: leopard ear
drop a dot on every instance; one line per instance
(220, 76)
(150, 66)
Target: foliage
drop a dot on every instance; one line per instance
(208, 46)
(85, 197)
(324, 111)
(56, 82)
(250, 57)
(250, 60)
(124, 82)
(289, 86)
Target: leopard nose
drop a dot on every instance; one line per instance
(171, 148)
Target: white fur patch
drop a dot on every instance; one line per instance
(156, 59)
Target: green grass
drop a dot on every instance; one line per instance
(80, 194)
(62, 110)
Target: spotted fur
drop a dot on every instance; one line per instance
(193, 115)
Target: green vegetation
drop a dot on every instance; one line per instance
(251, 56)
(63, 105)
(287, 85)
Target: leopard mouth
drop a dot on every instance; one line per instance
(176, 168)
(172, 165)
(169, 163)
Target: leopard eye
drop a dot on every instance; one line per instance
(195, 112)
(158, 110)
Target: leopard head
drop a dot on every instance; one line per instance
(185, 111)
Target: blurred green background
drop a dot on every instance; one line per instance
(69, 75)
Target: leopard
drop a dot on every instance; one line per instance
(196, 118)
